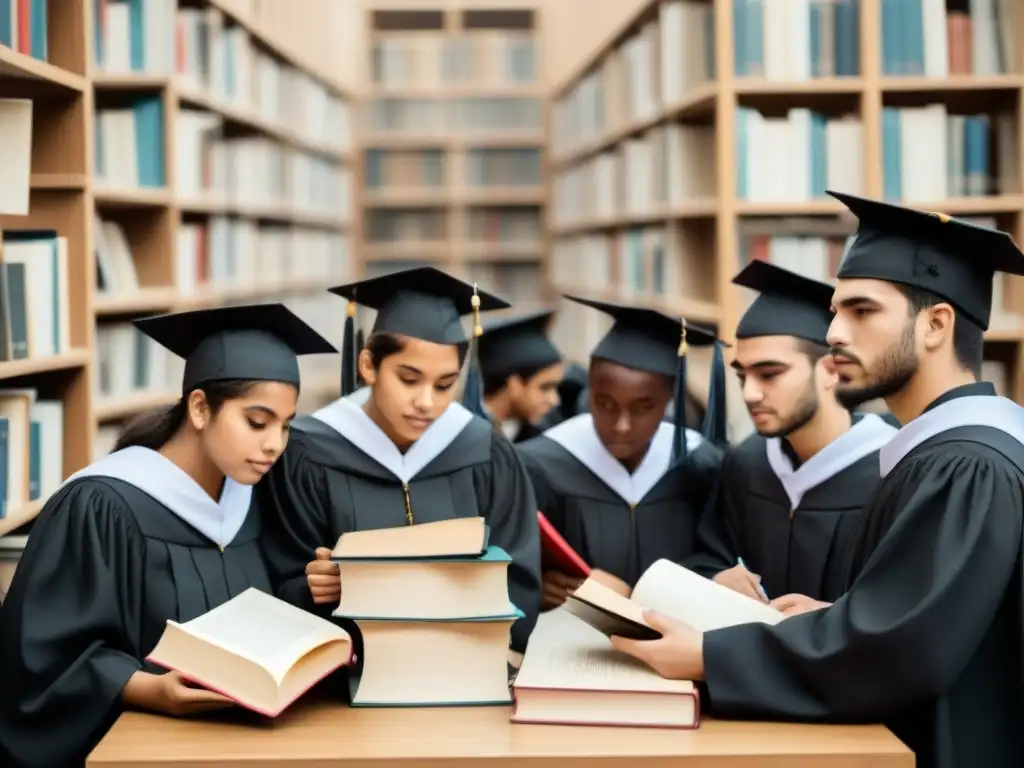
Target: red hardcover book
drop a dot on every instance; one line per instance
(556, 554)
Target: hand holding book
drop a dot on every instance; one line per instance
(171, 694)
(677, 655)
(323, 579)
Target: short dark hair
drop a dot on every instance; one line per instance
(968, 337)
(495, 381)
(812, 349)
(384, 345)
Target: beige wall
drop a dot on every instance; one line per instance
(574, 30)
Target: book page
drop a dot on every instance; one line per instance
(566, 653)
(704, 605)
(264, 630)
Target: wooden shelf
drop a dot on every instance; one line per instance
(711, 225)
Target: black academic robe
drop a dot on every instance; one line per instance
(617, 521)
(341, 473)
(928, 637)
(105, 567)
(791, 523)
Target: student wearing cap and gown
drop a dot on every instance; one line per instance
(928, 638)
(789, 496)
(620, 484)
(159, 529)
(521, 370)
(410, 455)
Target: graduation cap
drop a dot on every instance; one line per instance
(648, 340)
(789, 304)
(512, 344)
(953, 259)
(428, 304)
(257, 342)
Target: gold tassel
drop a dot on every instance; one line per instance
(475, 303)
(351, 309)
(682, 338)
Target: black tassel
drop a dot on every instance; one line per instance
(679, 452)
(473, 392)
(715, 426)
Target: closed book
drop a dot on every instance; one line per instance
(555, 552)
(458, 537)
(572, 675)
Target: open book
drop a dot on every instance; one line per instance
(458, 537)
(255, 649)
(672, 590)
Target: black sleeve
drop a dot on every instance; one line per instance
(512, 517)
(923, 602)
(718, 530)
(70, 633)
(547, 499)
(293, 499)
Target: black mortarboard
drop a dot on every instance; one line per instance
(511, 344)
(647, 340)
(428, 304)
(258, 342)
(788, 305)
(953, 259)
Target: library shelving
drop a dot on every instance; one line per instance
(222, 175)
(182, 155)
(703, 134)
(452, 142)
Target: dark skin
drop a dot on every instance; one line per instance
(627, 407)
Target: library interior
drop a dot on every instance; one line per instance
(167, 155)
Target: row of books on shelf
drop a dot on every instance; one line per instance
(23, 27)
(981, 154)
(444, 118)
(436, 59)
(935, 38)
(796, 39)
(225, 252)
(476, 167)
(31, 447)
(203, 54)
(130, 364)
(255, 171)
(666, 166)
(499, 225)
(35, 315)
(656, 66)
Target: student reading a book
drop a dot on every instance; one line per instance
(789, 497)
(521, 370)
(159, 529)
(410, 454)
(621, 485)
(928, 638)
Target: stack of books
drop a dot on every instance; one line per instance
(431, 605)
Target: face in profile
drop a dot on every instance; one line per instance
(782, 385)
(627, 406)
(873, 339)
(536, 396)
(412, 387)
(248, 434)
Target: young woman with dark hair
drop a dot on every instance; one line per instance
(159, 529)
(410, 454)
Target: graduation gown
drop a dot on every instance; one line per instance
(928, 638)
(111, 558)
(341, 473)
(617, 521)
(792, 524)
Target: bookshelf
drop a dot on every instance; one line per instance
(702, 134)
(452, 143)
(209, 163)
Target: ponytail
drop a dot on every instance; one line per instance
(153, 428)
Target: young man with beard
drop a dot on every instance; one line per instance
(928, 636)
(789, 497)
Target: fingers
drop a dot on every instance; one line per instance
(560, 579)
(323, 553)
(322, 567)
(630, 647)
(553, 595)
(786, 602)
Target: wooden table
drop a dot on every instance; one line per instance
(326, 734)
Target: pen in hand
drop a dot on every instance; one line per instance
(760, 587)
